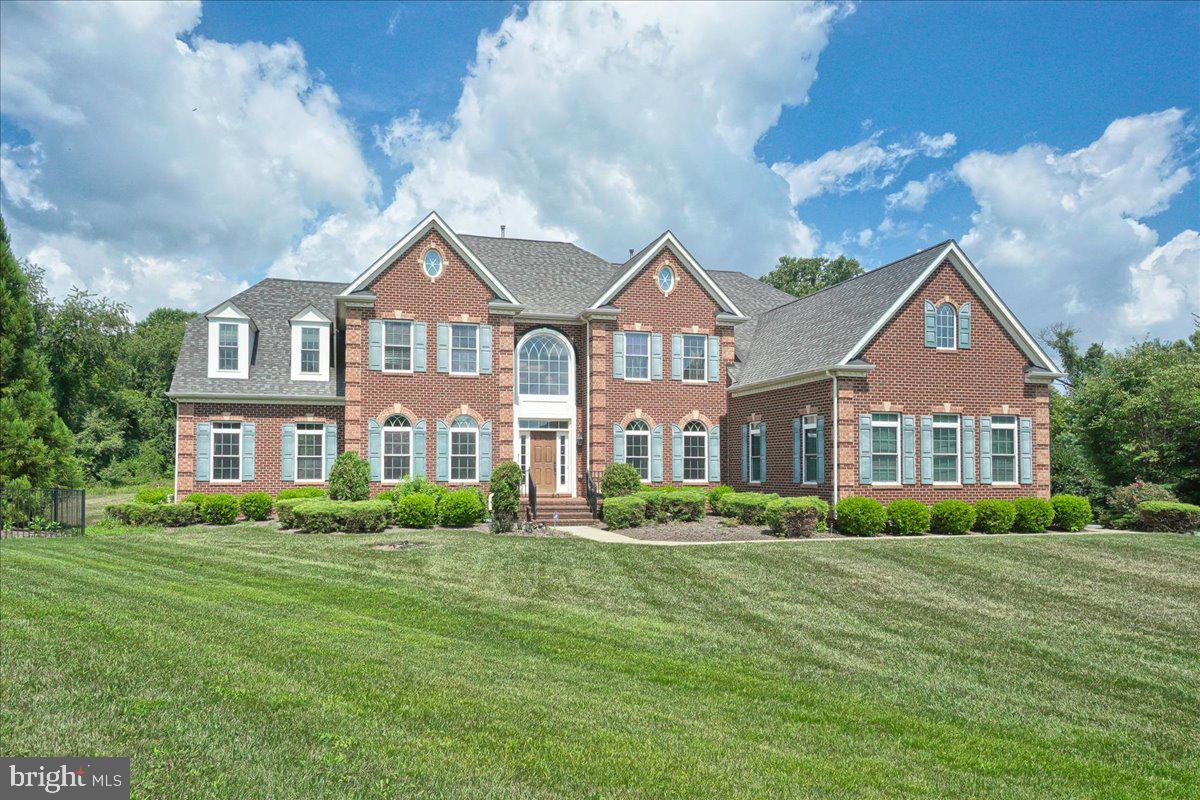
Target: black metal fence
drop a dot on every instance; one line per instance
(41, 512)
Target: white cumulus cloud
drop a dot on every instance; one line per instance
(1165, 284)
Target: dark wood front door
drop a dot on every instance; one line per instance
(542, 447)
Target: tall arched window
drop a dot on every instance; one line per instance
(545, 366)
(397, 448)
(464, 449)
(695, 451)
(946, 319)
(637, 447)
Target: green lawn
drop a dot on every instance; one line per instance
(244, 662)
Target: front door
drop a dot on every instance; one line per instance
(543, 446)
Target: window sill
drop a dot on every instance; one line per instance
(635, 380)
(463, 374)
(696, 480)
(938, 485)
(228, 482)
(698, 381)
(397, 371)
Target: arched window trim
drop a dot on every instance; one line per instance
(946, 313)
(695, 430)
(637, 447)
(396, 437)
(529, 337)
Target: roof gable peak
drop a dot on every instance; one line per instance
(638, 261)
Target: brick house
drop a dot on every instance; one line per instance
(452, 353)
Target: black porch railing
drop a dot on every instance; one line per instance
(531, 497)
(592, 492)
(41, 512)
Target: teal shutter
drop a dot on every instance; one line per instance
(676, 356)
(443, 452)
(714, 359)
(418, 449)
(745, 453)
(420, 353)
(656, 454)
(676, 453)
(930, 325)
(926, 449)
(287, 457)
(485, 349)
(864, 448)
(1026, 440)
(797, 451)
(964, 326)
(485, 451)
(908, 458)
(968, 437)
(331, 448)
(247, 451)
(985, 450)
(375, 349)
(618, 444)
(821, 449)
(762, 457)
(203, 450)
(443, 347)
(714, 454)
(374, 450)
(656, 356)
(618, 345)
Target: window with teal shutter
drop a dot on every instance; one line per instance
(203, 451)
(968, 449)
(656, 355)
(331, 448)
(714, 359)
(745, 453)
(656, 458)
(676, 356)
(418, 449)
(864, 448)
(714, 454)
(820, 449)
(442, 464)
(485, 451)
(927, 449)
(930, 324)
(676, 453)
(618, 444)
(375, 345)
(443, 347)
(964, 326)
(485, 349)
(374, 450)
(618, 353)
(1026, 440)
(909, 458)
(248, 451)
(797, 451)
(287, 457)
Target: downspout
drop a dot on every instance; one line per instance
(587, 388)
(836, 425)
(175, 487)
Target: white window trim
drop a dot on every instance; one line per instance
(441, 263)
(649, 356)
(674, 279)
(809, 423)
(450, 454)
(649, 451)
(683, 355)
(411, 335)
(383, 456)
(452, 348)
(957, 426)
(703, 436)
(302, 431)
(1016, 455)
(953, 327)
(569, 397)
(755, 429)
(899, 448)
(323, 330)
(214, 349)
(212, 451)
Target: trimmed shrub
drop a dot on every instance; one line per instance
(619, 480)
(686, 505)
(300, 492)
(716, 496)
(195, 497)
(219, 509)
(1071, 512)
(656, 504)
(749, 508)
(152, 494)
(1160, 515)
(624, 512)
(168, 515)
(364, 516)
(122, 512)
(391, 495)
(861, 516)
(255, 505)
(908, 517)
(797, 516)
(1123, 502)
(994, 516)
(951, 516)
(417, 484)
(284, 509)
(1034, 515)
(350, 478)
(461, 508)
(315, 516)
(415, 510)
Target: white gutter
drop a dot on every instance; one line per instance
(271, 399)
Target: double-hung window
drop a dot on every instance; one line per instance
(695, 358)
(397, 448)
(397, 346)
(945, 449)
(637, 356)
(637, 447)
(310, 452)
(227, 347)
(885, 448)
(1004, 449)
(947, 320)
(227, 451)
(464, 450)
(464, 350)
(695, 451)
(811, 454)
(310, 350)
(756, 452)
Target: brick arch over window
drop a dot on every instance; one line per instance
(696, 415)
(463, 411)
(642, 415)
(397, 408)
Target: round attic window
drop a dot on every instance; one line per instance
(666, 279)
(432, 263)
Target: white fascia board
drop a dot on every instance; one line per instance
(263, 399)
(227, 311)
(975, 280)
(432, 222)
(311, 314)
(799, 379)
(690, 264)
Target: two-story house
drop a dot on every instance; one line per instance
(452, 353)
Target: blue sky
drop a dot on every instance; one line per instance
(1056, 142)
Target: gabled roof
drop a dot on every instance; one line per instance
(754, 298)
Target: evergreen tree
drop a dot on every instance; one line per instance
(35, 444)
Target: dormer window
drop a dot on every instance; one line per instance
(310, 345)
(310, 350)
(227, 347)
(229, 342)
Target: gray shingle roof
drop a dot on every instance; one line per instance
(817, 331)
(271, 304)
(753, 298)
(546, 277)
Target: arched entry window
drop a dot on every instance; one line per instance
(695, 451)
(637, 447)
(397, 448)
(947, 317)
(544, 366)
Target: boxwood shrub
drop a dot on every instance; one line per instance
(350, 477)
(624, 512)
(152, 494)
(416, 510)
(686, 505)
(300, 492)
(316, 515)
(656, 504)
(351, 516)
(908, 517)
(785, 515)
(1071, 512)
(505, 486)
(284, 510)
(169, 515)
(219, 509)
(716, 497)
(994, 516)
(749, 508)
(461, 508)
(951, 516)
(619, 480)
(255, 505)
(860, 516)
(1161, 515)
(1034, 515)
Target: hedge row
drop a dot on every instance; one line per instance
(863, 516)
(659, 504)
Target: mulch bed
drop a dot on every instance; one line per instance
(709, 529)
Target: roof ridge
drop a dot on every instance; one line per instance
(518, 239)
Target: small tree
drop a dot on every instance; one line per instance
(350, 478)
(803, 276)
(506, 495)
(619, 480)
